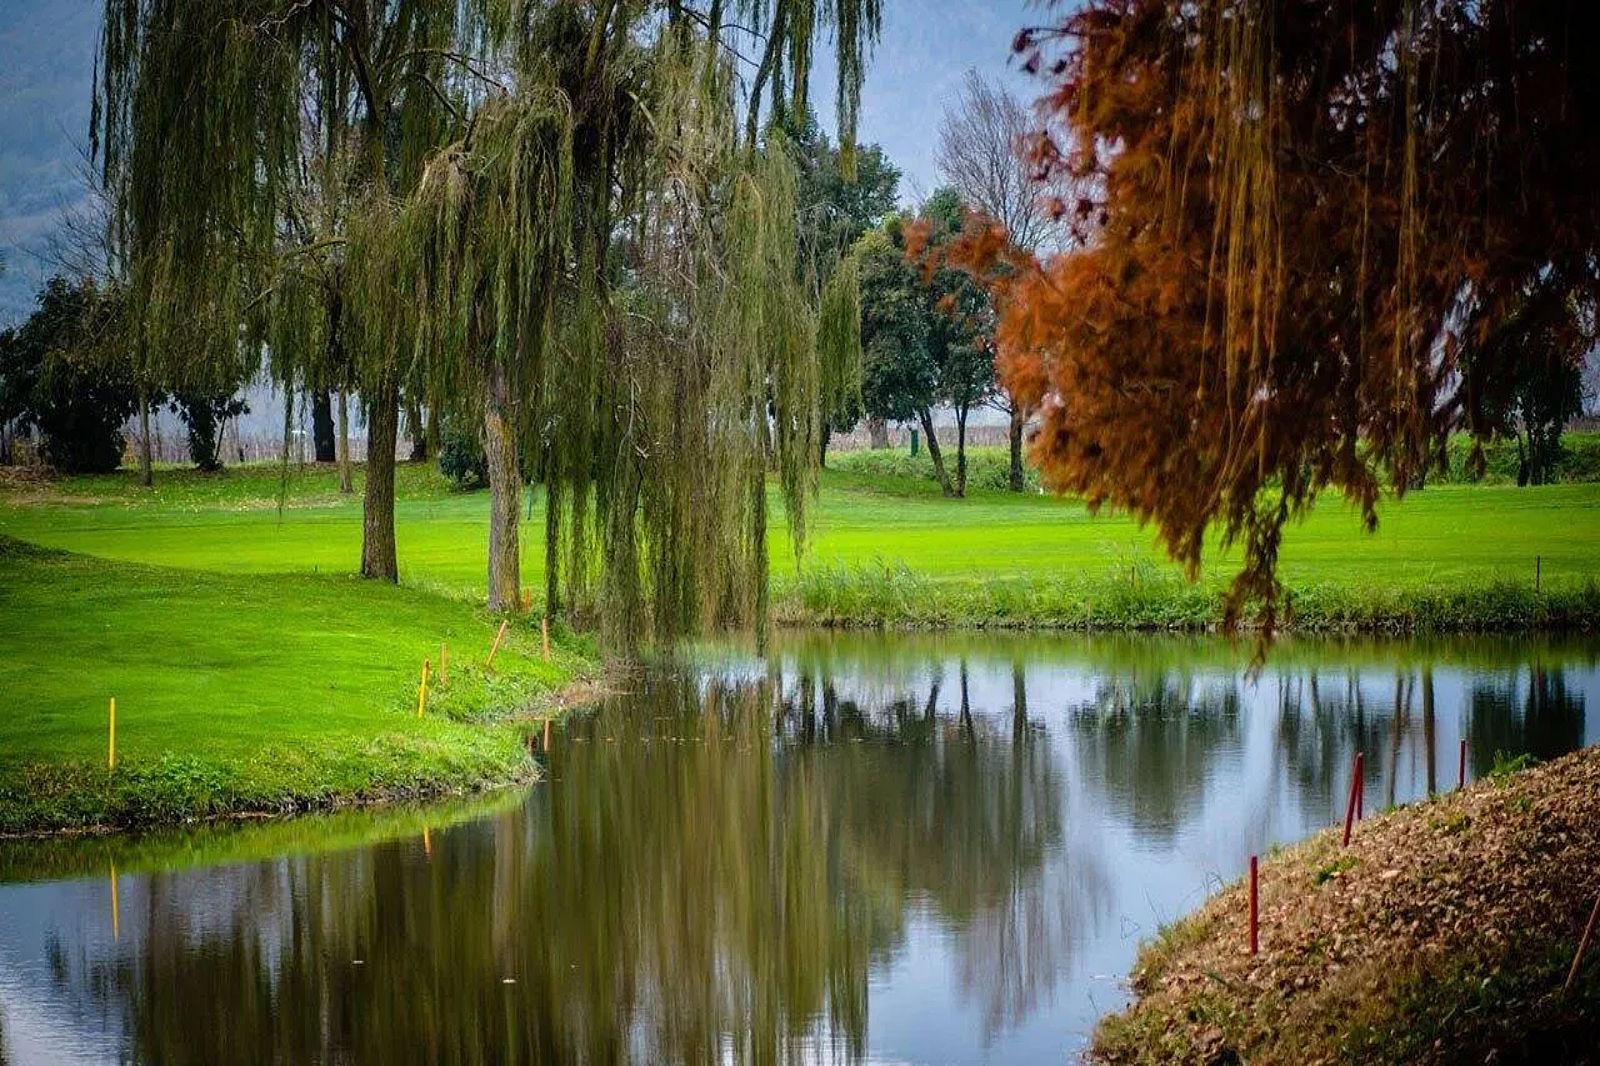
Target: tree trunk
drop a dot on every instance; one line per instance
(1019, 702)
(378, 559)
(822, 449)
(505, 497)
(1019, 420)
(937, 456)
(961, 450)
(346, 482)
(147, 475)
(878, 433)
(418, 432)
(322, 426)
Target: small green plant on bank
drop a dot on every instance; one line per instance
(1505, 765)
(1330, 870)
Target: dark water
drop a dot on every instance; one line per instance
(922, 849)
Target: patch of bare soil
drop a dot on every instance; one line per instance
(1442, 934)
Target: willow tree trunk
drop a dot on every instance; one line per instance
(418, 431)
(322, 425)
(346, 482)
(935, 454)
(961, 451)
(378, 559)
(878, 433)
(146, 459)
(1019, 421)
(505, 497)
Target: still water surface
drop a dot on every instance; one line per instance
(939, 849)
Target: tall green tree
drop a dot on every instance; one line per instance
(926, 330)
(197, 124)
(899, 379)
(60, 377)
(961, 322)
(834, 213)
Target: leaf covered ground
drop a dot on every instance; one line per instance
(1442, 934)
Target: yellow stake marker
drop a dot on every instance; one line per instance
(498, 637)
(422, 694)
(111, 738)
(427, 843)
(544, 631)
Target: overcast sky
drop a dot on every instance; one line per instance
(47, 50)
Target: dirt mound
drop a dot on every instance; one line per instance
(1443, 933)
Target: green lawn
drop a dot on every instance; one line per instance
(253, 673)
(867, 525)
(244, 693)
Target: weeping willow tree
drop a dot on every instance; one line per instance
(201, 112)
(542, 215)
(487, 235)
(651, 377)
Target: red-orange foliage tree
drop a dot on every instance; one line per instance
(1303, 221)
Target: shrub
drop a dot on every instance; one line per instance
(55, 379)
(204, 416)
(988, 468)
(461, 458)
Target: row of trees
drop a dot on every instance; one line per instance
(576, 226)
(928, 326)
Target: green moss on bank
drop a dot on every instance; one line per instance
(242, 695)
(1442, 934)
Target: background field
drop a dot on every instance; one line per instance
(232, 523)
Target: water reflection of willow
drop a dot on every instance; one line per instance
(717, 882)
(1153, 739)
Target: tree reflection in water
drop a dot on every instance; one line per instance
(946, 841)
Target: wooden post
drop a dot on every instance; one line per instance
(544, 633)
(422, 693)
(498, 637)
(1355, 797)
(111, 738)
(547, 736)
(1583, 942)
(444, 663)
(1461, 771)
(1255, 905)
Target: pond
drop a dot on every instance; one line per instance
(890, 848)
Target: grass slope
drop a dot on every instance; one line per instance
(244, 693)
(888, 549)
(1443, 934)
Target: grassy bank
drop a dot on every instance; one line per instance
(1443, 934)
(888, 549)
(246, 694)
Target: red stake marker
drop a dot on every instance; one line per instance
(1255, 905)
(1355, 799)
